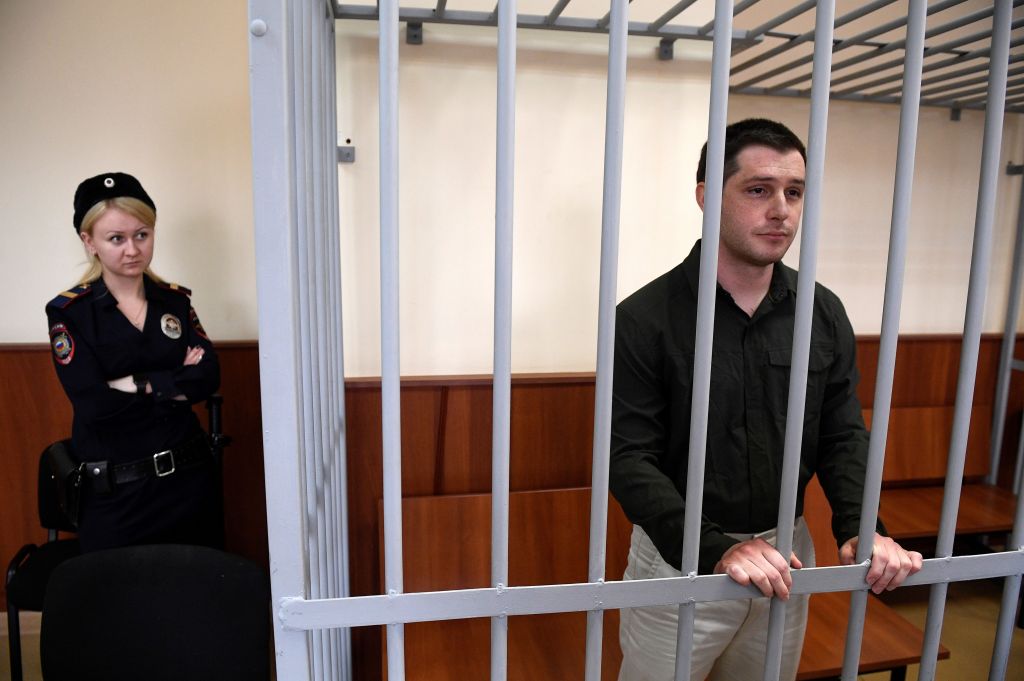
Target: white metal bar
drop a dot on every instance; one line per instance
(390, 357)
(502, 394)
(305, 149)
(538, 21)
(272, 91)
(809, 35)
(738, 9)
(824, 22)
(1008, 607)
(891, 306)
(706, 291)
(783, 18)
(861, 39)
(672, 13)
(430, 606)
(337, 369)
(980, 261)
(1006, 351)
(611, 205)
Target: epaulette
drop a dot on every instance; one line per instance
(71, 295)
(177, 288)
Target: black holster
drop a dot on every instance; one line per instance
(67, 473)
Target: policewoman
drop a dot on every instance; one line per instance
(132, 357)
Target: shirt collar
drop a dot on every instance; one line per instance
(783, 278)
(103, 296)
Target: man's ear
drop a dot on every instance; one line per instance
(700, 195)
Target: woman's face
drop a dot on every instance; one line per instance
(123, 244)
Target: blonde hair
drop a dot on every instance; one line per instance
(137, 209)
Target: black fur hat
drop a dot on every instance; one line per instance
(103, 187)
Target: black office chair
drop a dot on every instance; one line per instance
(29, 571)
(157, 612)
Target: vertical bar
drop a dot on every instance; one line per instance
(980, 258)
(273, 143)
(891, 306)
(1006, 351)
(338, 421)
(1008, 607)
(816, 136)
(611, 205)
(502, 396)
(1018, 473)
(389, 355)
(706, 288)
(305, 219)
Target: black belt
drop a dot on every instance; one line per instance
(187, 455)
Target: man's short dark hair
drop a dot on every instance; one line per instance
(747, 133)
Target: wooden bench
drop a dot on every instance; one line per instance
(914, 512)
(446, 542)
(915, 470)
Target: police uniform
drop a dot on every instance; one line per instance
(149, 473)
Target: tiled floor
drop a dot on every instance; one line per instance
(969, 629)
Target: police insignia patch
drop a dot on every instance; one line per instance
(62, 343)
(171, 326)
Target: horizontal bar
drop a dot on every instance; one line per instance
(741, 6)
(474, 18)
(943, 78)
(981, 53)
(855, 97)
(404, 608)
(861, 40)
(809, 35)
(675, 11)
(783, 18)
(556, 11)
(970, 82)
(971, 95)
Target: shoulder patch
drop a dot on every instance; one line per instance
(62, 343)
(71, 295)
(177, 288)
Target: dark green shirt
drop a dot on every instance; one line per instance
(654, 350)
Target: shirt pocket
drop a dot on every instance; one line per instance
(779, 361)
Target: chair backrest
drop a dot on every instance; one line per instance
(157, 612)
(50, 514)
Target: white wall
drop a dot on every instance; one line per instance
(157, 90)
(163, 92)
(447, 197)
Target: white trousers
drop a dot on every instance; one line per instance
(730, 637)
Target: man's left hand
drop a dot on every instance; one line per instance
(890, 562)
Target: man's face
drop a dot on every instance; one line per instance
(761, 206)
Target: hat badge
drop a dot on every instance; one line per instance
(108, 182)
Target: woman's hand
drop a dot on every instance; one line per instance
(193, 356)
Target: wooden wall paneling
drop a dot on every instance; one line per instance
(552, 434)
(34, 413)
(447, 546)
(245, 502)
(917, 444)
(445, 439)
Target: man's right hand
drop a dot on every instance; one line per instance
(756, 562)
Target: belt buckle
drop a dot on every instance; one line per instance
(160, 465)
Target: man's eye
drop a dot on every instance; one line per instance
(795, 193)
(756, 190)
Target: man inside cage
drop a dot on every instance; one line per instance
(755, 309)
